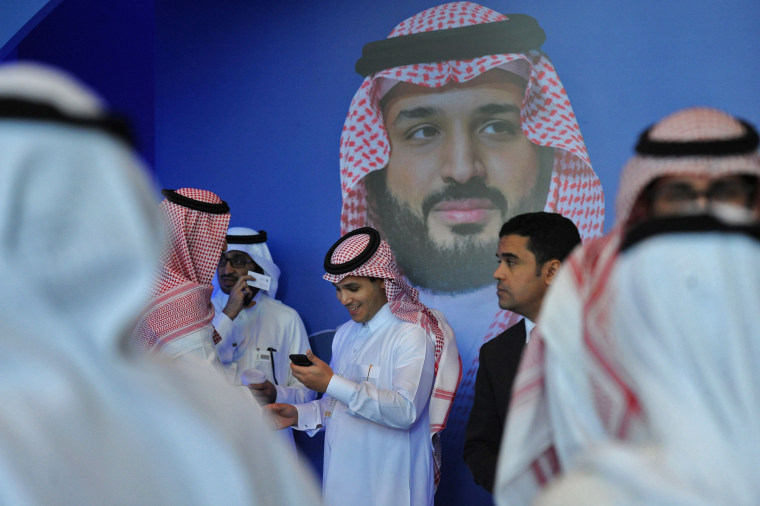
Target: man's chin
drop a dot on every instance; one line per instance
(437, 256)
(461, 263)
(461, 237)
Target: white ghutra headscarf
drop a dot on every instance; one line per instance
(685, 312)
(254, 243)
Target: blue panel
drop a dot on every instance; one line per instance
(19, 17)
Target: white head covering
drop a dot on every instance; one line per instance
(685, 311)
(82, 421)
(259, 252)
(68, 225)
(724, 146)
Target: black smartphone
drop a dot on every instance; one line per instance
(300, 359)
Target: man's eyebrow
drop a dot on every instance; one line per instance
(507, 255)
(423, 112)
(499, 108)
(414, 113)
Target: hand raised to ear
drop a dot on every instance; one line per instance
(239, 297)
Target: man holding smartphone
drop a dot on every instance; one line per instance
(258, 331)
(377, 409)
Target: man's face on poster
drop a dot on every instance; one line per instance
(460, 166)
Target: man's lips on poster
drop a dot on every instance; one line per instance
(472, 210)
(473, 202)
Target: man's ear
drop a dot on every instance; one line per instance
(550, 270)
(382, 289)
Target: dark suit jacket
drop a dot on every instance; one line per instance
(499, 359)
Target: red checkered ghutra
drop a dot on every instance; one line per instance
(181, 292)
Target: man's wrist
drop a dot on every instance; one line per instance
(231, 313)
(340, 388)
(327, 384)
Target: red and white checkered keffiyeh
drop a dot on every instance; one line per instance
(547, 119)
(181, 293)
(612, 396)
(405, 304)
(689, 125)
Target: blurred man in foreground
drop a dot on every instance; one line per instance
(571, 391)
(689, 350)
(84, 419)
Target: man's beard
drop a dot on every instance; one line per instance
(467, 264)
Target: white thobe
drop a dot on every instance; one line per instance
(196, 347)
(684, 315)
(375, 411)
(262, 337)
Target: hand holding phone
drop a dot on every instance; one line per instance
(260, 281)
(311, 371)
(300, 359)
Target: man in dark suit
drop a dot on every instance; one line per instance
(531, 249)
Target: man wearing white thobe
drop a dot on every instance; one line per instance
(376, 409)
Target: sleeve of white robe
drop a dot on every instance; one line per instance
(399, 407)
(686, 319)
(570, 403)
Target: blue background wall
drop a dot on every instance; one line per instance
(109, 45)
(248, 98)
(251, 98)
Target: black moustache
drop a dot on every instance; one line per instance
(472, 189)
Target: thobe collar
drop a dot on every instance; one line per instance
(383, 315)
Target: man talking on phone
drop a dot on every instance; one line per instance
(389, 386)
(258, 332)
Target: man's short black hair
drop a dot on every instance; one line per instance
(550, 235)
